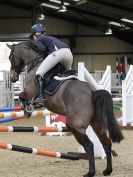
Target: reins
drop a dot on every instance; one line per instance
(33, 63)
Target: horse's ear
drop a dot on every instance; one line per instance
(9, 46)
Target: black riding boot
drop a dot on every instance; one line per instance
(40, 87)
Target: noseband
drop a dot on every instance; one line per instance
(14, 72)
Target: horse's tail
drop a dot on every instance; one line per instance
(103, 104)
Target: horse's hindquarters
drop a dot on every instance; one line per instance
(72, 99)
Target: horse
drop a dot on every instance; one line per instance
(75, 100)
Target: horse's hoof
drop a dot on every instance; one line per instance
(29, 109)
(28, 115)
(107, 172)
(89, 174)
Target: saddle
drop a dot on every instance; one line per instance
(56, 81)
(52, 85)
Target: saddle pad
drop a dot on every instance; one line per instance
(53, 86)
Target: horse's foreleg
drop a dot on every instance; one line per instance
(102, 135)
(83, 139)
(25, 104)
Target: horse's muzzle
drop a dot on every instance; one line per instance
(14, 76)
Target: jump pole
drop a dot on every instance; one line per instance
(9, 119)
(20, 114)
(41, 152)
(16, 108)
(33, 129)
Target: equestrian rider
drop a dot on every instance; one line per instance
(57, 52)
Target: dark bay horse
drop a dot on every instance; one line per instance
(76, 101)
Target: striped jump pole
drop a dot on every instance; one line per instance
(9, 119)
(16, 108)
(42, 152)
(33, 129)
(39, 113)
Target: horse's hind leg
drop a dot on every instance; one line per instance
(83, 139)
(102, 135)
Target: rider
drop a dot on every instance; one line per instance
(57, 51)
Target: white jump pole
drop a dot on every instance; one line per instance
(105, 82)
(84, 75)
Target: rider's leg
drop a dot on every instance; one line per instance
(63, 56)
(40, 84)
(67, 60)
(49, 62)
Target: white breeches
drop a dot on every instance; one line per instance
(63, 56)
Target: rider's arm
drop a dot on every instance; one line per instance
(39, 42)
(40, 46)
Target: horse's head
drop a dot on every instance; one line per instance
(21, 55)
(17, 63)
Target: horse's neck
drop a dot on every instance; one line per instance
(32, 60)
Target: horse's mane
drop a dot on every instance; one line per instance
(30, 44)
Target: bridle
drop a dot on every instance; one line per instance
(14, 72)
(15, 69)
